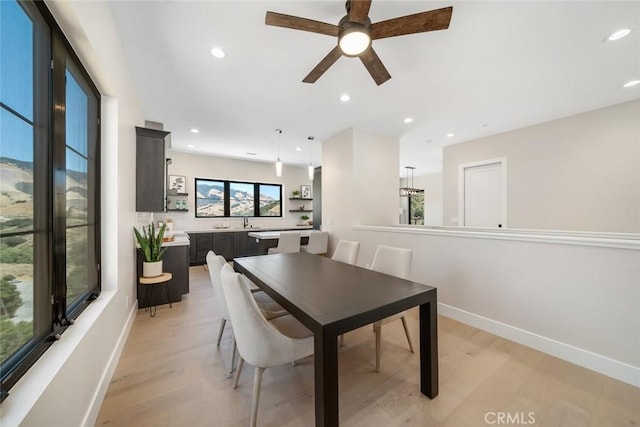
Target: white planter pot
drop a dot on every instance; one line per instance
(152, 269)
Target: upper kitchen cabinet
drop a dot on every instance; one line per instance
(150, 169)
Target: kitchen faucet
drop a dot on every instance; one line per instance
(246, 222)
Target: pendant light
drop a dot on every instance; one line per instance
(278, 162)
(311, 171)
(409, 190)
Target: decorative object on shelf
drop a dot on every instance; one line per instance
(150, 246)
(305, 191)
(409, 190)
(177, 183)
(295, 193)
(304, 220)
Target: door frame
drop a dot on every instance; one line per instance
(461, 186)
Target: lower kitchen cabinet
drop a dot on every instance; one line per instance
(175, 261)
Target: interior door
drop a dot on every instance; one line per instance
(484, 196)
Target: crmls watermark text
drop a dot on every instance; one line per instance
(509, 418)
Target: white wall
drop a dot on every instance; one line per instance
(577, 173)
(579, 303)
(66, 385)
(201, 166)
(359, 182)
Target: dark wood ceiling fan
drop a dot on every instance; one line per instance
(356, 26)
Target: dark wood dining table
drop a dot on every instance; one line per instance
(330, 298)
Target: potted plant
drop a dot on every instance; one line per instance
(150, 246)
(304, 219)
(296, 193)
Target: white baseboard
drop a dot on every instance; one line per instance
(101, 391)
(595, 362)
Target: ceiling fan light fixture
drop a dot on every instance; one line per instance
(354, 39)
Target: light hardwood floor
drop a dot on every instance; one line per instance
(172, 374)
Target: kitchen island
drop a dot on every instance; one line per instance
(230, 242)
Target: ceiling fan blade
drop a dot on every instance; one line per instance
(375, 67)
(304, 24)
(359, 10)
(417, 23)
(323, 66)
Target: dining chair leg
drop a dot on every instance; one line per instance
(233, 355)
(222, 323)
(257, 382)
(238, 371)
(378, 330)
(406, 331)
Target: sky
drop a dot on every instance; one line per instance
(16, 93)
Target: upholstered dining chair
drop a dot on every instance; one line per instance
(346, 251)
(394, 262)
(318, 242)
(261, 343)
(287, 243)
(268, 306)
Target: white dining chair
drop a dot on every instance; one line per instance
(318, 242)
(394, 262)
(269, 308)
(261, 343)
(346, 251)
(287, 243)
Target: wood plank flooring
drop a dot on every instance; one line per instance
(172, 374)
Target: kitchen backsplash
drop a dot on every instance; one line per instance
(186, 221)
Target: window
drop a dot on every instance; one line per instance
(416, 208)
(220, 198)
(241, 199)
(210, 198)
(270, 200)
(49, 222)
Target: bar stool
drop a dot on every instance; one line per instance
(152, 281)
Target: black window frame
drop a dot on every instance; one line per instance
(227, 199)
(51, 314)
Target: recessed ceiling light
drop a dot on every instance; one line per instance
(451, 135)
(345, 98)
(194, 130)
(298, 149)
(190, 145)
(632, 83)
(618, 34)
(408, 120)
(217, 52)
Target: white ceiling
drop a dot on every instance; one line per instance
(499, 66)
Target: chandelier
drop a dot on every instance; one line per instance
(409, 190)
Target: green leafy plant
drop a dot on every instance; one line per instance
(304, 217)
(296, 193)
(150, 242)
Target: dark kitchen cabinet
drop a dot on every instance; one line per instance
(175, 261)
(223, 245)
(204, 244)
(243, 245)
(150, 169)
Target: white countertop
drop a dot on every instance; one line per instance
(180, 239)
(238, 229)
(270, 235)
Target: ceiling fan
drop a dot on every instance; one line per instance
(355, 32)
